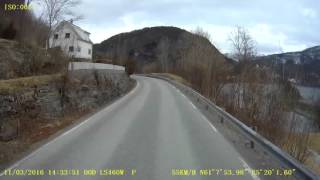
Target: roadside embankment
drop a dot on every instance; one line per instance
(34, 108)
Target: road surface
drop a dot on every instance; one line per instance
(154, 133)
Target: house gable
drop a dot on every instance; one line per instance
(80, 33)
(72, 40)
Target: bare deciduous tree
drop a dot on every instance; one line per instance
(261, 100)
(202, 65)
(55, 10)
(243, 50)
(28, 2)
(243, 45)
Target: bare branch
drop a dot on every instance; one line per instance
(243, 45)
(56, 10)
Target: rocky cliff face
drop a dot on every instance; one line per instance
(84, 90)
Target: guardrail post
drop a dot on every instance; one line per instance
(221, 120)
(251, 144)
(255, 128)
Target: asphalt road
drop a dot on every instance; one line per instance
(153, 132)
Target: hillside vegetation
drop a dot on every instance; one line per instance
(150, 46)
(170, 49)
(39, 95)
(22, 26)
(257, 95)
(21, 60)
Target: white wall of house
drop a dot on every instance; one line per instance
(71, 44)
(84, 50)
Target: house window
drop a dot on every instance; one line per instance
(56, 36)
(67, 35)
(79, 49)
(70, 48)
(89, 51)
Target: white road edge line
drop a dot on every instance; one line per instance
(194, 107)
(211, 125)
(74, 128)
(248, 168)
(203, 117)
(65, 133)
(244, 163)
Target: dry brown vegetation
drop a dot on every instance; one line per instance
(18, 85)
(22, 60)
(22, 26)
(253, 94)
(25, 53)
(34, 130)
(203, 66)
(262, 100)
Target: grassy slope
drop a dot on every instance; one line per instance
(19, 84)
(174, 77)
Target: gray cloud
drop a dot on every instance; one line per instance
(291, 24)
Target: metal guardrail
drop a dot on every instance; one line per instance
(254, 137)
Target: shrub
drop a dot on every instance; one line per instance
(38, 61)
(130, 67)
(9, 32)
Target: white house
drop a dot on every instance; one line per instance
(73, 40)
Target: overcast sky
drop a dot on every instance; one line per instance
(289, 25)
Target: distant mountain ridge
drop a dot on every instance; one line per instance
(303, 66)
(299, 57)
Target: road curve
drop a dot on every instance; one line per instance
(152, 132)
